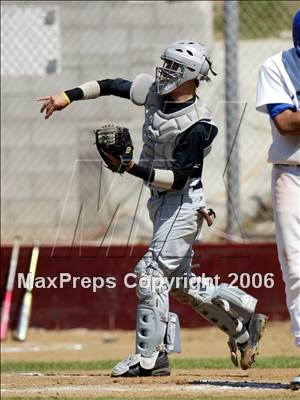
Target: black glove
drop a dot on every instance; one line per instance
(116, 141)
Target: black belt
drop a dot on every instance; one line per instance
(288, 165)
(159, 194)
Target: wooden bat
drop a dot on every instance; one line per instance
(6, 306)
(24, 317)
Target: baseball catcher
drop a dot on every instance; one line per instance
(178, 133)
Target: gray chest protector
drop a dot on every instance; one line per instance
(162, 132)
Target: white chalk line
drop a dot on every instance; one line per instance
(129, 388)
(53, 374)
(36, 348)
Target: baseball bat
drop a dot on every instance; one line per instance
(25, 312)
(6, 306)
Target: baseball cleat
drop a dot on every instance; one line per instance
(249, 350)
(134, 369)
(295, 383)
(233, 352)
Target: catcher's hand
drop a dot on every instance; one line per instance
(53, 103)
(115, 147)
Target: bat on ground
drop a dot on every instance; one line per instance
(6, 306)
(25, 312)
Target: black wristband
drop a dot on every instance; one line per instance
(145, 173)
(74, 94)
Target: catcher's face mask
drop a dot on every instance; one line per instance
(169, 76)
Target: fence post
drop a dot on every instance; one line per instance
(231, 37)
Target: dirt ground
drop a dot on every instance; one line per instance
(87, 345)
(83, 345)
(182, 384)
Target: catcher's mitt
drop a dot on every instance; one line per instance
(116, 141)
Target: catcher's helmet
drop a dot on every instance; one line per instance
(183, 60)
(296, 31)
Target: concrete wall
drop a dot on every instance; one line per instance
(52, 181)
(98, 40)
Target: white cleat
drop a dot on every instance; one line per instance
(295, 383)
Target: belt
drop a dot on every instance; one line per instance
(288, 165)
(156, 193)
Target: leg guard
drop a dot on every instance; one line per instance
(218, 317)
(231, 310)
(226, 307)
(149, 330)
(152, 311)
(172, 338)
(214, 313)
(241, 304)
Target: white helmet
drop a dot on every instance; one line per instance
(183, 60)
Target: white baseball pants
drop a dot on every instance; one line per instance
(286, 207)
(176, 222)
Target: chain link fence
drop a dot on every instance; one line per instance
(53, 185)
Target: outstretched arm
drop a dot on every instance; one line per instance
(90, 90)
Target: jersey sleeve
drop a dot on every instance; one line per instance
(277, 108)
(116, 87)
(271, 88)
(189, 152)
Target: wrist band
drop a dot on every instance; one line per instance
(66, 97)
(144, 173)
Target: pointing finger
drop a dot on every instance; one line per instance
(43, 98)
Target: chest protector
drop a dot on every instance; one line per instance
(162, 132)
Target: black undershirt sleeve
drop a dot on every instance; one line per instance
(188, 154)
(145, 173)
(116, 87)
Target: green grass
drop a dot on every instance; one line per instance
(205, 363)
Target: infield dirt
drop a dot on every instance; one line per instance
(84, 345)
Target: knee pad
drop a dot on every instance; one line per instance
(150, 281)
(144, 262)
